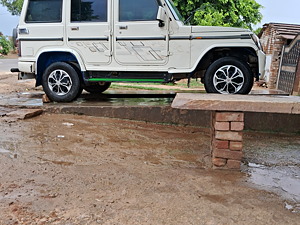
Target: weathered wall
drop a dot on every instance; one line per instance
(272, 45)
(273, 122)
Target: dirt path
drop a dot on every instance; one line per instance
(66, 169)
(9, 83)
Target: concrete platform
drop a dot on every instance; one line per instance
(228, 120)
(238, 103)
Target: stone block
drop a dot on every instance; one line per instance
(222, 126)
(236, 145)
(221, 144)
(45, 99)
(23, 114)
(229, 117)
(233, 164)
(219, 162)
(227, 154)
(231, 136)
(237, 126)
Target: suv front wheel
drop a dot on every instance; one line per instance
(228, 75)
(61, 82)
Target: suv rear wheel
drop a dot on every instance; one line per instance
(228, 75)
(61, 82)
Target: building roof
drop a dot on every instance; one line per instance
(287, 31)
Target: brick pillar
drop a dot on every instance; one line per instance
(227, 137)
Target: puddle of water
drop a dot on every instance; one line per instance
(125, 100)
(284, 180)
(293, 208)
(273, 164)
(9, 101)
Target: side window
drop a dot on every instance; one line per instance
(141, 10)
(89, 11)
(44, 11)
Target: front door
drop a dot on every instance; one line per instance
(138, 38)
(88, 31)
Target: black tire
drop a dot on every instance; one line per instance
(61, 82)
(95, 88)
(76, 68)
(228, 75)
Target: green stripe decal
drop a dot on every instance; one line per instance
(124, 79)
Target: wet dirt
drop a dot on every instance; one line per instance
(70, 169)
(274, 165)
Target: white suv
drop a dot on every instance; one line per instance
(70, 45)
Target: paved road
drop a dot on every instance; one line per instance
(7, 64)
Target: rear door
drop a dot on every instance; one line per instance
(89, 32)
(41, 26)
(138, 39)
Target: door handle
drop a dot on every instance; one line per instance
(123, 27)
(74, 28)
(23, 31)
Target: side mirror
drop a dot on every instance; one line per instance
(161, 16)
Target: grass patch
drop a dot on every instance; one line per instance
(193, 84)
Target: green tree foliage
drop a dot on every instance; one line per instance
(236, 13)
(13, 6)
(5, 45)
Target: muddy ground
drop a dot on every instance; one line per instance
(75, 169)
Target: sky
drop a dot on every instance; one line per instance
(287, 11)
(280, 11)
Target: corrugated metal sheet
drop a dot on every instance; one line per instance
(288, 31)
(289, 64)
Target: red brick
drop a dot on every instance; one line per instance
(222, 126)
(219, 162)
(237, 126)
(236, 146)
(233, 164)
(222, 144)
(227, 154)
(229, 116)
(231, 136)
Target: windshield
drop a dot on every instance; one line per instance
(174, 10)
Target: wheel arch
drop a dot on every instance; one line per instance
(245, 54)
(45, 59)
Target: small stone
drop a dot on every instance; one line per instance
(68, 124)
(46, 99)
(13, 156)
(25, 113)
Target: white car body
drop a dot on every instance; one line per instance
(113, 48)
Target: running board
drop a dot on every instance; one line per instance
(155, 77)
